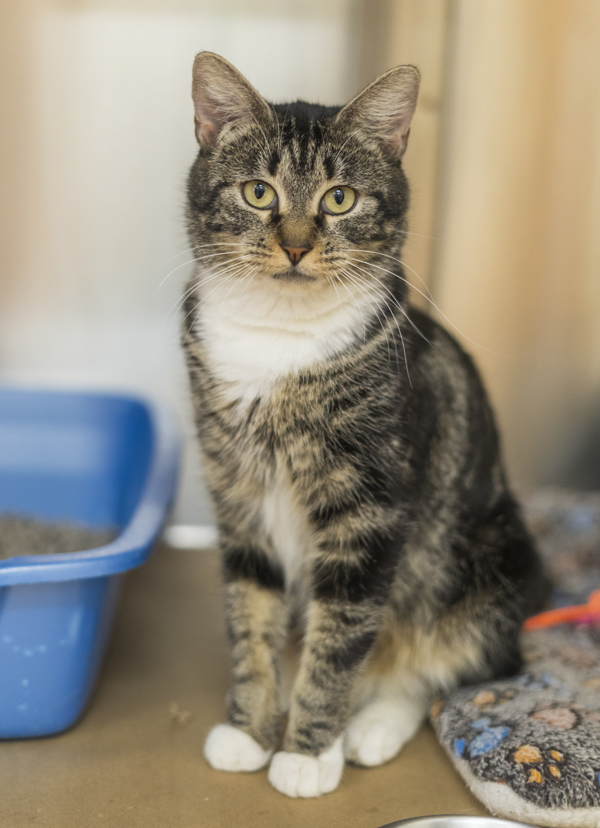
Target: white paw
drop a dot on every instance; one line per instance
(229, 748)
(379, 730)
(295, 774)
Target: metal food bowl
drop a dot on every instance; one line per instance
(455, 821)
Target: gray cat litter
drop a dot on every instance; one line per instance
(29, 536)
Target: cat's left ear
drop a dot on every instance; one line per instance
(385, 108)
(221, 96)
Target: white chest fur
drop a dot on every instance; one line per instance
(250, 359)
(260, 333)
(285, 524)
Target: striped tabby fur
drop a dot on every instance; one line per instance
(348, 443)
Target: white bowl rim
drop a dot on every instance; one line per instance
(455, 821)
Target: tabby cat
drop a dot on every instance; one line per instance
(347, 439)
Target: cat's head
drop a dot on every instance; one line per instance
(299, 198)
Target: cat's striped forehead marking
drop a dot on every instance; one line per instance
(301, 158)
(303, 143)
(314, 149)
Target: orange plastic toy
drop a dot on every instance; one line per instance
(581, 613)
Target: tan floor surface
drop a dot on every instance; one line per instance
(131, 762)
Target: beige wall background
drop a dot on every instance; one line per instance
(504, 160)
(505, 163)
(96, 137)
(518, 261)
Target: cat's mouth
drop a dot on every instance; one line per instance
(293, 276)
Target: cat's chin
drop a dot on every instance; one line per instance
(294, 277)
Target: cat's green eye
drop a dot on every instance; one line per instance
(338, 200)
(259, 194)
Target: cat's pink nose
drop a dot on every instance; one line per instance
(294, 254)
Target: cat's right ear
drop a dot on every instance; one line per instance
(221, 96)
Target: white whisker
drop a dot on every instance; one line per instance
(429, 299)
(332, 281)
(197, 307)
(365, 289)
(198, 259)
(197, 283)
(396, 302)
(192, 249)
(396, 259)
(236, 282)
(174, 270)
(256, 270)
(400, 308)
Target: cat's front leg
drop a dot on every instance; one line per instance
(256, 626)
(338, 638)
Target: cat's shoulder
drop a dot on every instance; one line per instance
(434, 346)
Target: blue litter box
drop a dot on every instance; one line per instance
(99, 460)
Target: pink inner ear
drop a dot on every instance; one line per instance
(222, 95)
(397, 128)
(207, 121)
(399, 138)
(205, 131)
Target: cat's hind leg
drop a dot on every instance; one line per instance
(377, 732)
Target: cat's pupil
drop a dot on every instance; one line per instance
(259, 190)
(338, 195)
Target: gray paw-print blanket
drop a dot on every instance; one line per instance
(529, 746)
